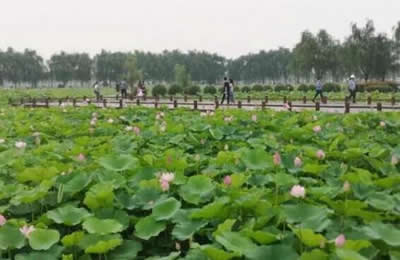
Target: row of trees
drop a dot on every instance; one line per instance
(366, 53)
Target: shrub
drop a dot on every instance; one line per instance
(332, 87)
(174, 89)
(268, 88)
(193, 90)
(210, 90)
(236, 89)
(159, 91)
(245, 89)
(305, 88)
(384, 87)
(258, 88)
(279, 88)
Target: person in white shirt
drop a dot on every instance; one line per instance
(352, 88)
(97, 90)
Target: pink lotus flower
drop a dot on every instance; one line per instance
(395, 160)
(254, 118)
(165, 185)
(2, 141)
(382, 124)
(167, 177)
(228, 180)
(286, 105)
(81, 157)
(27, 230)
(20, 145)
(277, 159)
(298, 191)
(136, 130)
(346, 186)
(340, 240)
(298, 162)
(320, 154)
(317, 129)
(3, 220)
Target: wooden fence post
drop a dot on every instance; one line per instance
(347, 108)
(74, 102)
(369, 100)
(325, 99)
(266, 99)
(171, 98)
(284, 100)
(59, 101)
(379, 107)
(216, 103)
(156, 104)
(304, 100)
(248, 99)
(239, 104)
(317, 106)
(290, 105)
(263, 105)
(46, 102)
(185, 98)
(215, 99)
(200, 98)
(195, 104)
(138, 102)
(175, 103)
(104, 102)
(393, 101)
(121, 103)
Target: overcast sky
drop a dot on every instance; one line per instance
(228, 27)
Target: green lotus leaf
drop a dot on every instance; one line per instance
(148, 227)
(256, 159)
(309, 238)
(219, 254)
(100, 244)
(118, 163)
(346, 254)
(385, 232)
(11, 238)
(281, 252)
(316, 254)
(51, 254)
(236, 243)
(72, 239)
(127, 251)
(102, 226)
(186, 227)
(197, 190)
(100, 196)
(68, 215)
(166, 209)
(171, 256)
(43, 239)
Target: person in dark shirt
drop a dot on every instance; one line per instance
(227, 91)
(318, 90)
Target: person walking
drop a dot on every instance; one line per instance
(226, 91)
(318, 90)
(97, 90)
(124, 89)
(231, 87)
(140, 90)
(352, 88)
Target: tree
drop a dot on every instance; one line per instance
(132, 73)
(83, 67)
(182, 78)
(62, 67)
(33, 68)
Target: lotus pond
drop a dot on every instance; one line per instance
(152, 184)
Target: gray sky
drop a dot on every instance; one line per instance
(228, 27)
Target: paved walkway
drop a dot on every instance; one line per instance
(332, 107)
